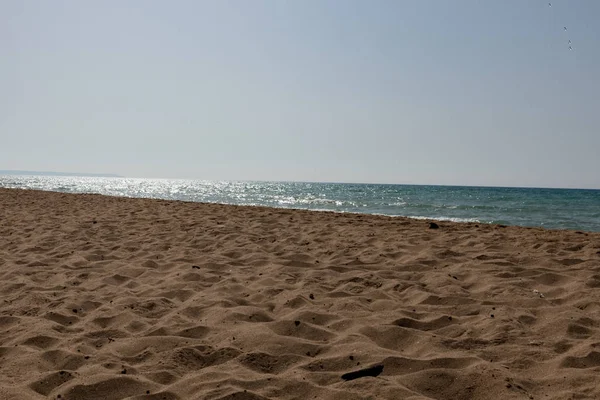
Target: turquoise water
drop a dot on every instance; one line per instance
(548, 208)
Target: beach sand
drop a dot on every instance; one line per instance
(113, 298)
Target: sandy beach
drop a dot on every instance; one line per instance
(114, 298)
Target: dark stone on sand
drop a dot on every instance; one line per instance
(124, 372)
(75, 310)
(195, 267)
(311, 296)
(361, 373)
(433, 225)
(297, 323)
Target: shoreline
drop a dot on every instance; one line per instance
(413, 218)
(118, 297)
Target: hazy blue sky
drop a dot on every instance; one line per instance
(432, 92)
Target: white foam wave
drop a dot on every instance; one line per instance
(442, 218)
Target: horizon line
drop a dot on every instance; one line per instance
(113, 175)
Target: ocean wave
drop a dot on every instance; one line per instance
(442, 218)
(312, 201)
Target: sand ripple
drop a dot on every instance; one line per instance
(113, 298)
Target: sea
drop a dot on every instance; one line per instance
(577, 209)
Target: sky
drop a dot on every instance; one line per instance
(411, 92)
